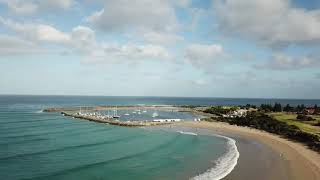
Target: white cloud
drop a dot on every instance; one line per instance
(146, 21)
(122, 15)
(181, 3)
(36, 32)
(161, 38)
(203, 56)
(12, 46)
(55, 4)
(129, 53)
(199, 82)
(285, 62)
(82, 40)
(274, 23)
(23, 7)
(200, 52)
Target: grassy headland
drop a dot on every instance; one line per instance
(299, 123)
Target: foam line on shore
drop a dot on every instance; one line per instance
(187, 133)
(224, 165)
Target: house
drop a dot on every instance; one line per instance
(236, 113)
(310, 110)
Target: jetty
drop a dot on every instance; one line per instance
(114, 121)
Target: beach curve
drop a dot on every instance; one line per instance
(224, 165)
(301, 162)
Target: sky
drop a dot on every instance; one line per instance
(188, 48)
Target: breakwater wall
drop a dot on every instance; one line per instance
(113, 121)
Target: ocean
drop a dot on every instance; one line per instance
(37, 145)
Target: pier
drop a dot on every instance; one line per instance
(113, 121)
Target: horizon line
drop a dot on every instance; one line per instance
(282, 98)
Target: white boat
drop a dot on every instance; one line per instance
(127, 114)
(155, 114)
(115, 113)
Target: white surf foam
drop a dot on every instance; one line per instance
(188, 133)
(224, 165)
(39, 111)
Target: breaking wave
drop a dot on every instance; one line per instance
(224, 165)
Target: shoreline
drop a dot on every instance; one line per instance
(282, 158)
(299, 161)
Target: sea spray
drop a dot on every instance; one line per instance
(224, 165)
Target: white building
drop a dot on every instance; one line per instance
(166, 120)
(237, 113)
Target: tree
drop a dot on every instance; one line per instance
(288, 108)
(298, 108)
(277, 107)
(266, 107)
(316, 109)
(301, 108)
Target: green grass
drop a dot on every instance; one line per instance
(291, 119)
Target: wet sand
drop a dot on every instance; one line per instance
(265, 156)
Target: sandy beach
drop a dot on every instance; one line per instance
(264, 155)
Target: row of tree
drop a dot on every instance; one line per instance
(219, 110)
(277, 107)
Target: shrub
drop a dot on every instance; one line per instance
(218, 110)
(303, 117)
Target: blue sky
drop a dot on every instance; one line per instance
(206, 48)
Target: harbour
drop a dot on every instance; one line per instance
(140, 116)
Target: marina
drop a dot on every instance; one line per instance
(130, 116)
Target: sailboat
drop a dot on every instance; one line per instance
(155, 114)
(138, 110)
(115, 113)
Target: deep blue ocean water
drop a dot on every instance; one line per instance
(36, 145)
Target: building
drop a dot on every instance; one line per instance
(166, 120)
(310, 110)
(236, 113)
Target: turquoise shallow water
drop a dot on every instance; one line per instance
(35, 145)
